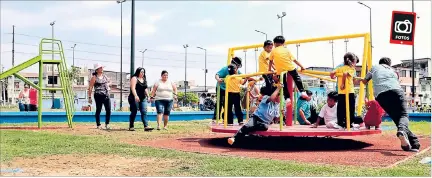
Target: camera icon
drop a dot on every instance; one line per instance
(403, 27)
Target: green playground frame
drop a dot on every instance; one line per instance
(65, 83)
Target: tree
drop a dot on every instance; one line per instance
(74, 76)
(190, 98)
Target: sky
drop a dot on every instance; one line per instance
(164, 27)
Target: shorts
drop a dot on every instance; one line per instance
(164, 106)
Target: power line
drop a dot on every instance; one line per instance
(110, 46)
(112, 54)
(84, 59)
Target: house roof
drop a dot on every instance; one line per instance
(28, 74)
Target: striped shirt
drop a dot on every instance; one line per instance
(384, 79)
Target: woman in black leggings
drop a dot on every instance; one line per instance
(138, 98)
(100, 82)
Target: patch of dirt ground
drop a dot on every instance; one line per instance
(368, 151)
(85, 165)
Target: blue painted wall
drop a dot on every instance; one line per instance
(84, 116)
(22, 117)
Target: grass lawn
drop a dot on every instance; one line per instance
(29, 144)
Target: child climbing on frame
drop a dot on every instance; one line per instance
(262, 117)
(265, 66)
(282, 60)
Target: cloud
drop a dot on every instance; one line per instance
(98, 4)
(206, 23)
(92, 15)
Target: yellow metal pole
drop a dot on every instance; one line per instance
(218, 104)
(309, 40)
(363, 74)
(319, 77)
(281, 99)
(247, 102)
(226, 103)
(369, 65)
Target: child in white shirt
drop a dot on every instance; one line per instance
(329, 112)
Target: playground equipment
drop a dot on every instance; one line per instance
(65, 88)
(302, 130)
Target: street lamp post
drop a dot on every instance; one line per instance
(185, 80)
(142, 62)
(280, 17)
(73, 55)
(132, 53)
(262, 33)
(370, 23)
(121, 50)
(52, 72)
(205, 68)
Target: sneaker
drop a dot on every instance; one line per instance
(131, 129)
(405, 144)
(303, 95)
(338, 127)
(415, 145)
(158, 128)
(165, 128)
(146, 129)
(107, 127)
(355, 126)
(231, 141)
(99, 127)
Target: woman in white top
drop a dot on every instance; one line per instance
(164, 92)
(24, 96)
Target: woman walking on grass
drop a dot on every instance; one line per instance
(101, 83)
(164, 92)
(138, 98)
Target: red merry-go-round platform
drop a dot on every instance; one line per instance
(296, 130)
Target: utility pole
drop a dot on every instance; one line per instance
(52, 71)
(132, 56)
(121, 51)
(413, 73)
(13, 64)
(297, 46)
(346, 45)
(205, 68)
(185, 80)
(142, 62)
(73, 55)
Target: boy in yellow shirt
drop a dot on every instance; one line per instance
(346, 84)
(234, 87)
(283, 60)
(264, 66)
